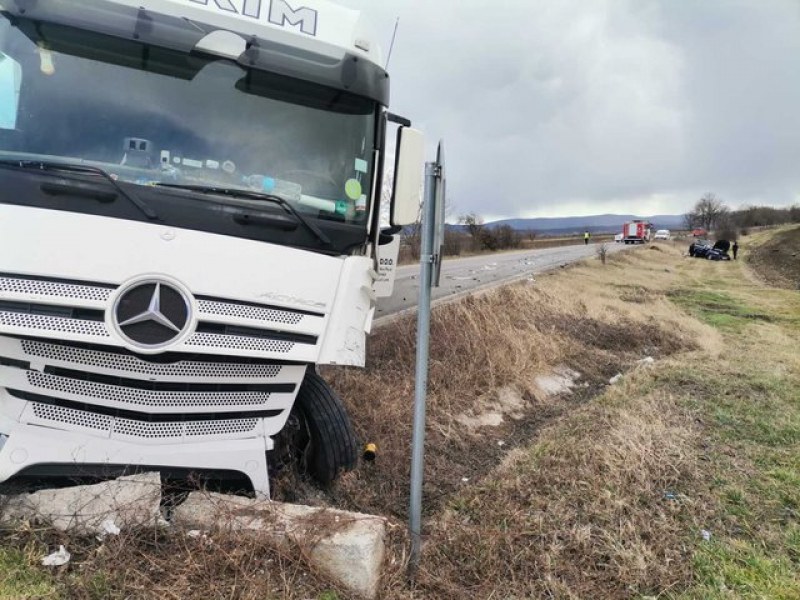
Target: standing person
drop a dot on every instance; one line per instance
(735, 249)
(586, 237)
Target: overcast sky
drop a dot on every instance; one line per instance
(577, 107)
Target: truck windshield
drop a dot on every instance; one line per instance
(149, 115)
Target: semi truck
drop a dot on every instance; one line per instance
(190, 224)
(636, 232)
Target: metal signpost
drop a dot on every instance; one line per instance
(430, 260)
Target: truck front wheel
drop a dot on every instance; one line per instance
(318, 438)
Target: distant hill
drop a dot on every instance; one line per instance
(594, 223)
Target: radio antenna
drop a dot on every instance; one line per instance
(391, 46)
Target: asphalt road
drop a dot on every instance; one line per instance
(465, 274)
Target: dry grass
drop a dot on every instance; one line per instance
(504, 339)
(164, 564)
(597, 494)
(566, 519)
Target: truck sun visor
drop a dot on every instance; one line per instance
(347, 72)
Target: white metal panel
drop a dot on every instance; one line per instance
(388, 255)
(345, 339)
(30, 445)
(50, 243)
(331, 29)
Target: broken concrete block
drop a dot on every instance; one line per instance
(560, 381)
(129, 501)
(349, 547)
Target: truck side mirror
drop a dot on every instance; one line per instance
(406, 196)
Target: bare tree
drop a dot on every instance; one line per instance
(602, 252)
(474, 225)
(707, 212)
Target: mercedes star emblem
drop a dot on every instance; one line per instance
(151, 314)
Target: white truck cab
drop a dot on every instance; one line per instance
(189, 205)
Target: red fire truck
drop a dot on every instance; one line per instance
(636, 232)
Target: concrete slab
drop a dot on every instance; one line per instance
(349, 547)
(130, 501)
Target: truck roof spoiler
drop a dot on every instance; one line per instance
(347, 72)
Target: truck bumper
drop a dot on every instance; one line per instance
(29, 446)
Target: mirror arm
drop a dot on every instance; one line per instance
(402, 121)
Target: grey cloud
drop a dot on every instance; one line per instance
(569, 107)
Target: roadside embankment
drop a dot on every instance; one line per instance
(542, 479)
(677, 481)
(777, 260)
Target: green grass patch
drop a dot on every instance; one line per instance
(20, 579)
(739, 569)
(718, 309)
(751, 420)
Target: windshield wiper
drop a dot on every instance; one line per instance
(75, 168)
(236, 193)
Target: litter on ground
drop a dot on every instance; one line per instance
(57, 559)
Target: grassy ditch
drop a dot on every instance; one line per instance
(679, 481)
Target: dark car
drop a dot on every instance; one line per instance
(722, 245)
(704, 249)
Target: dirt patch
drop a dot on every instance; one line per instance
(778, 261)
(624, 336)
(638, 294)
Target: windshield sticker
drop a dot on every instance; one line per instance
(46, 64)
(353, 189)
(10, 82)
(194, 164)
(268, 184)
(341, 207)
(361, 203)
(361, 165)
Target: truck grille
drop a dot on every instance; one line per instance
(239, 342)
(75, 311)
(128, 363)
(53, 326)
(145, 398)
(54, 289)
(114, 393)
(113, 427)
(247, 311)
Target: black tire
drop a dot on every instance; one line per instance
(331, 442)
